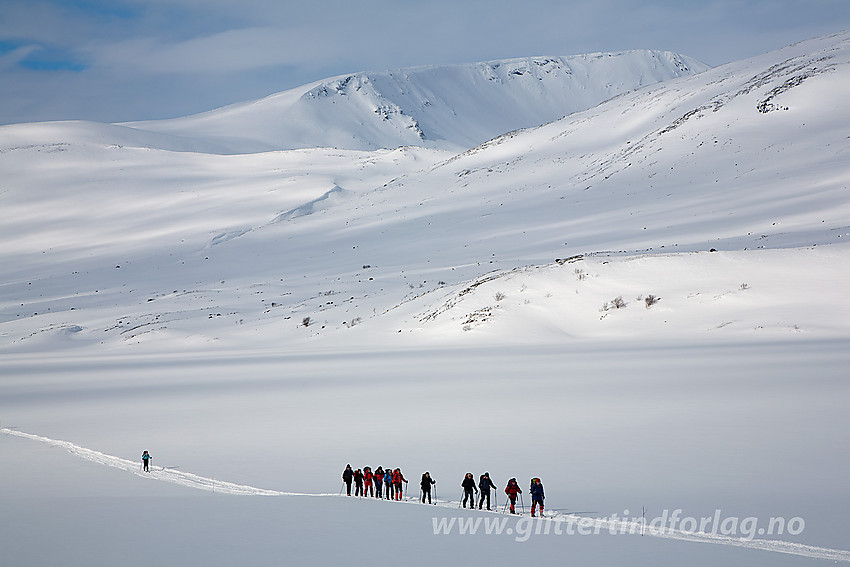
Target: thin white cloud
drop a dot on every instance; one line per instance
(231, 51)
(13, 58)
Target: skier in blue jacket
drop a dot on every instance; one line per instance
(146, 459)
(536, 496)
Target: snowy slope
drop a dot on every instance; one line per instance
(258, 243)
(449, 107)
(681, 167)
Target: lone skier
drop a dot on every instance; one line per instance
(146, 459)
(347, 477)
(512, 489)
(468, 485)
(537, 496)
(485, 484)
(426, 483)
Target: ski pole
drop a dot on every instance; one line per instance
(341, 487)
(522, 503)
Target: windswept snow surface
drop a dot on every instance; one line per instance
(544, 304)
(562, 522)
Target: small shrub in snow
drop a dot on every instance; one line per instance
(305, 321)
(651, 300)
(499, 296)
(616, 303)
(745, 286)
(580, 275)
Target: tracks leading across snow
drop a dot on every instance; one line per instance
(601, 524)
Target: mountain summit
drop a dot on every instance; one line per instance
(450, 107)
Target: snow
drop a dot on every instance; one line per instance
(257, 316)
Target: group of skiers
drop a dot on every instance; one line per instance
(369, 483)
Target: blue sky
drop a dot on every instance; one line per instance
(122, 60)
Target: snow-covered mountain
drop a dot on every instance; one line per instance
(743, 157)
(449, 107)
(642, 303)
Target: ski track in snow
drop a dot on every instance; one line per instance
(604, 525)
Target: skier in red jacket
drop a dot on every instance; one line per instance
(367, 480)
(398, 478)
(512, 489)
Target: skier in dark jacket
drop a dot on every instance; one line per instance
(536, 495)
(468, 485)
(358, 483)
(379, 482)
(347, 477)
(485, 484)
(146, 458)
(426, 483)
(512, 489)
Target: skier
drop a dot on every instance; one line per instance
(379, 480)
(367, 478)
(146, 458)
(485, 484)
(388, 481)
(536, 495)
(358, 483)
(512, 489)
(347, 477)
(468, 485)
(398, 478)
(426, 483)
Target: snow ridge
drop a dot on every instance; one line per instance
(611, 525)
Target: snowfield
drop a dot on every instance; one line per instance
(640, 300)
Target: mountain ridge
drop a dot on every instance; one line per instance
(449, 107)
